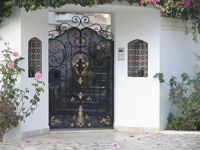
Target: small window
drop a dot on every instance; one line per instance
(34, 57)
(137, 58)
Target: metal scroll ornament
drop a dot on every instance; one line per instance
(80, 119)
(80, 22)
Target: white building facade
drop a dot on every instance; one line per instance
(141, 104)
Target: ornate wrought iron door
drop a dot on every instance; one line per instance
(81, 76)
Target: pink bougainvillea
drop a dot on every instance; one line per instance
(149, 1)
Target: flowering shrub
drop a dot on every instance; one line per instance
(15, 104)
(184, 9)
(185, 96)
(187, 10)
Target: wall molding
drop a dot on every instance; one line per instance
(174, 24)
(35, 133)
(136, 129)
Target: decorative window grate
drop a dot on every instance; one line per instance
(34, 56)
(137, 58)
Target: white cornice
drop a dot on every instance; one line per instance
(172, 24)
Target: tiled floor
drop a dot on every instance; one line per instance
(105, 140)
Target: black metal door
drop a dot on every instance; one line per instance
(81, 76)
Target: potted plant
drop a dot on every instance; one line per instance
(32, 71)
(15, 105)
(141, 72)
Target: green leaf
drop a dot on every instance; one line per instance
(159, 76)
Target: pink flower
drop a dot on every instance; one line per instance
(11, 2)
(10, 64)
(16, 54)
(146, 132)
(5, 43)
(187, 3)
(27, 141)
(160, 9)
(131, 136)
(138, 139)
(38, 75)
(142, 1)
(184, 20)
(18, 146)
(115, 145)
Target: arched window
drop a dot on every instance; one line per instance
(137, 58)
(34, 56)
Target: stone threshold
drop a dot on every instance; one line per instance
(89, 130)
(175, 132)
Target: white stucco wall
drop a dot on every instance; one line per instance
(35, 24)
(177, 55)
(136, 99)
(18, 30)
(10, 31)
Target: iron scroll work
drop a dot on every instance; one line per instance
(80, 23)
(81, 75)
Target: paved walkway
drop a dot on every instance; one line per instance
(105, 140)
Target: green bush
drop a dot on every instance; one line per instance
(185, 96)
(179, 123)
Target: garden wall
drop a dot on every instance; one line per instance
(18, 30)
(177, 55)
(35, 24)
(10, 31)
(136, 98)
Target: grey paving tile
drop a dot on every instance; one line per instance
(105, 141)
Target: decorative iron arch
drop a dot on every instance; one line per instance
(80, 23)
